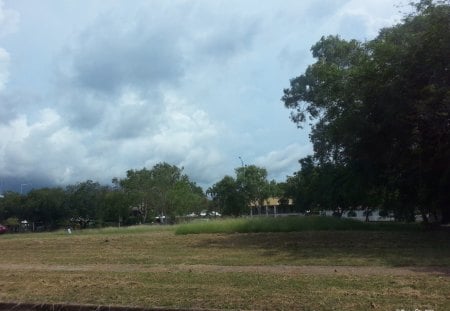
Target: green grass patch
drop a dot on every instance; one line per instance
(288, 224)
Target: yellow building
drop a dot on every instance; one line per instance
(272, 206)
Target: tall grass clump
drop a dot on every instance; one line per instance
(285, 224)
(136, 229)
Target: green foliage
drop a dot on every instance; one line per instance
(12, 222)
(11, 206)
(233, 196)
(227, 197)
(287, 224)
(163, 190)
(46, 206)
(116, 208)
(252, 182)
(381, 111)
(325, 186)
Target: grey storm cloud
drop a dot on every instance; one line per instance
(107, 62)
(103, 87)
(8, 108)
(113, 53)
(146, 56)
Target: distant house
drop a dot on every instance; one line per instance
(272, 206)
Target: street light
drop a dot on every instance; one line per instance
(244, 184)
(21, 187)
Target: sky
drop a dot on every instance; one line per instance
(92, 88)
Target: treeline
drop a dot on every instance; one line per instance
(380, 117)
(162, 193)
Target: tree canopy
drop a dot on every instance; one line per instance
(380, 111)
(162, 191)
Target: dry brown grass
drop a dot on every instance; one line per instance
(301, 271)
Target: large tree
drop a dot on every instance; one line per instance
(381, 110)
(162, 191)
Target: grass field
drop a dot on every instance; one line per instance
(327, 269)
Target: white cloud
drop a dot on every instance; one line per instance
(42, 148)
(280, 163)
(49, 148)
(4, 64)
(363, 19)
(9, 20)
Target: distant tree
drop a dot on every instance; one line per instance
(116, 207)
(252, 182)
(84, 201)
(276, 189)
(47, 206)
(233, 196)
(139, 190)
(186, 197)
(162, 191)
(228, 198)
(11, 205)
(165, 178)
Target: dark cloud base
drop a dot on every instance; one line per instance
(24, 185)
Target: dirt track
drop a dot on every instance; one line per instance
(283, 269)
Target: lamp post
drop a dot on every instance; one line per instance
(244, 184)
(21, 188)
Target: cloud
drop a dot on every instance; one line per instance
(147, 54)
(47, 148)
(280, 162)
(193, 83)
(9, 20)
(44, 148)
(109, 59)
(362, 20)
(151, 49)
(4, 64)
